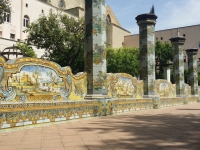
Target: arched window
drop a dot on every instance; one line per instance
(7, 16)
(108, 19)
(108, 30)
(26, 21)
(61, 4)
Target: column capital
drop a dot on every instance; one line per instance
(178, 40)
(146, 19)
(192, 51)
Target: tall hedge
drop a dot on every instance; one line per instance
(123, 60)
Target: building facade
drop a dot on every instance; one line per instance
(191, 33)
(23, 12)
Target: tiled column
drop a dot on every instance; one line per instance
(192, 67)
(146, 23)
(178, 64)
(167, 73)
(95, 48)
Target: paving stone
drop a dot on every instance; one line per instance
(172, 128)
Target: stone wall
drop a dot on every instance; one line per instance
(117, 36)
(131, 41)
(77, 11)
(112, 16)
(191, 34)
(68, 3)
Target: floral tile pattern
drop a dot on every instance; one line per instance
(178, 68)
(147, 58)
(123, 85)
(193, 74)
(95, 45)
(165, 88)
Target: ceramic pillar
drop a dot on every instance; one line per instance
(167, 73)
(95, 48)
(178, 64)
(146, 23)
(192, 67)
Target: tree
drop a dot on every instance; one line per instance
(26, 50)
(61, 36)
(163, 57)
(186, 74)
(123, 60)
(4, 6)
(36, 75)
(127, 59)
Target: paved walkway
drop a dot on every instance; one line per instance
(174, 128)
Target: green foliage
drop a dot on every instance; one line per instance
(4, 6)
(62, 38)
(26, 50)
(163, 53)
(160, 74)
(123, 60)
(127, 59)
(163, 57)
(186, 74)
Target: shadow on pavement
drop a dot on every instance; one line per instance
(175, 130)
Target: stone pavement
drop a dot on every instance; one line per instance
(173, 128)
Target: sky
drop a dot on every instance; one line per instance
(171, 13)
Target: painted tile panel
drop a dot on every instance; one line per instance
(29, 79)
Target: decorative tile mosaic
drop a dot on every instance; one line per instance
(193, 73)
(147, 57)
(178, 64)
(30, 79)
(95, 46)
(187, 89)
(165, 88)
(123, 85)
